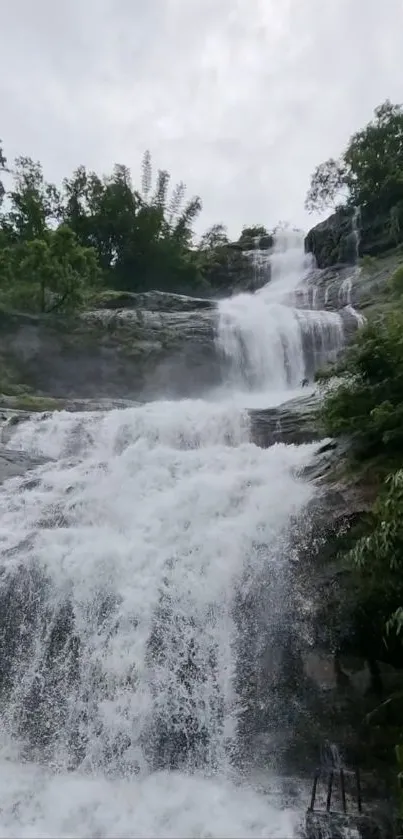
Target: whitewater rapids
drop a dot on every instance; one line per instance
(122, 559)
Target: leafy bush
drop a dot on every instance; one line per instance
(379, 555)
(367, 404)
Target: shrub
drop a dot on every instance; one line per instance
(367, 404)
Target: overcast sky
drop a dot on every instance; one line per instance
(241, 99)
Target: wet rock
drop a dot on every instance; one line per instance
(153, 301)
(339, 825)
(13, 412)
(294, 421)
(332, 241)
(341, 286)
(112, 354)
(14, 463)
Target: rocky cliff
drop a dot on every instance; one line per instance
(334, 242)
(109, 353)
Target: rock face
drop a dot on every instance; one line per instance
(111, 354)
(334, 668)
(155, 301)
(294, 421)
(167, 349)
(333, 241)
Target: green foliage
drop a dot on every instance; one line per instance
(327, 184)
(396, 282)
(377, 561)
(374, 159)
(3, 168)
(369, 171)
(3, 160)
(34, 204)
(56, 244)
(379, 555)
(368, 402)
(256, 231)
(50, 274)
(218, 262)
(142, 239)
(215, 237)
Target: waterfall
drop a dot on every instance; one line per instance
(272, 345)
(355, 229)
(345, 293)
(133, 562)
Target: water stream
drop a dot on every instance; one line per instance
(127, 561)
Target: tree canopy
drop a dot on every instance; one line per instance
(369, 170)
(58, 243)
(53, 273)
(3, 168)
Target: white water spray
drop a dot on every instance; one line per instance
(122, 560)
(268, 342)
(261, 262)
(345, 294)
(135, 540)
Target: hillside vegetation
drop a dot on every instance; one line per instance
(363, 402)
(60, 246)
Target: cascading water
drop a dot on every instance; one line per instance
(126, 559)
(261, 262)
(270, 343)
(346, 287)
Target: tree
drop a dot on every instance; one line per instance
(174, 206)
(215, 237)
(159, 199)
(146, 175)
(255, 231)
(75, 203)
(327, 184)
(374, 159)
(369, 170)
(3, 168)
(3, 160)
(140, 237)
(34, 204)
(102, 213)
(46, 275)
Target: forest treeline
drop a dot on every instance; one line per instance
(58, 245)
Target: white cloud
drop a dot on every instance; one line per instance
(239, 98)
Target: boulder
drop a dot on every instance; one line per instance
(294, 421)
